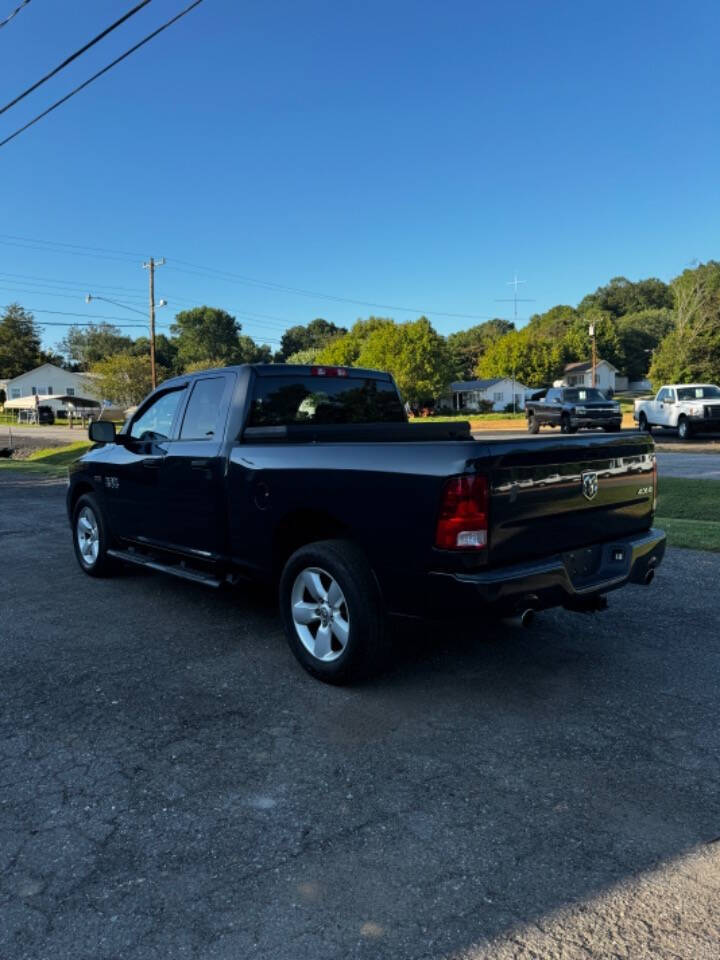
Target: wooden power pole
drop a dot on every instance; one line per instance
(591, 331)
(150, 265)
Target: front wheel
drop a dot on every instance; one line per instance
(332, 611)
(91, 538)
(565, 425)
(684, 429)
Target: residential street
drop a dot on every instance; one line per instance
(173, 784)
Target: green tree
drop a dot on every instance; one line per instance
(691, 351)
(84, 347)
(206, 332)
(578, 343)
(251, 352)
(533, 360)
(345, 350)
(19, 342)
(554, 323)
(414, 353)
(640, 334)
(304, 357)
(166, 351)
(622, 296)
(317, 333)
(124, 379)
(467, 346)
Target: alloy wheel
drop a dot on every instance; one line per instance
(88, 536)
(320, 614)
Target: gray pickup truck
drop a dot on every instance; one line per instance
(573, 408)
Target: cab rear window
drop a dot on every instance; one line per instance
(281, 401)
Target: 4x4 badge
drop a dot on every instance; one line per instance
(589, 485)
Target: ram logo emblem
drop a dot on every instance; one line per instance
(589, 485)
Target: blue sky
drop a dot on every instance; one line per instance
(405, 153)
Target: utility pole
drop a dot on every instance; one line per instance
(150, 265)
(591, 331)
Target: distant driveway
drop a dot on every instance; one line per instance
(689, 465)
(60, 434)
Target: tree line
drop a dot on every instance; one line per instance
(667, 332)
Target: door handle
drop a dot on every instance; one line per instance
(152, 463)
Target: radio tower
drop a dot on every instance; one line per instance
(515, 299)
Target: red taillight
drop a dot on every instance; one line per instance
(328, 372)
(463, 518)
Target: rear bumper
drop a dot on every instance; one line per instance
(566, 579)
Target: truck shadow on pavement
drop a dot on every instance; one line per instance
(174, 784)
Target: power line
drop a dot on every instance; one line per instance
(225, 276)
(16, 11)
(104, 70)
(73, 56)
(74, 246)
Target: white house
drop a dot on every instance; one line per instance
(469, 394)
(580, 375)
(48, 379)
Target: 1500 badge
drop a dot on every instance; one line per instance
(112, 483)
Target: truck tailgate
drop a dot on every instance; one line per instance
(554, 495)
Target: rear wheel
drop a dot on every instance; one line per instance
(684, 428)
(331, 608)
(532, 424)
(643, 423)
(91, 538)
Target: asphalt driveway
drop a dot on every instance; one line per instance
(172, 785)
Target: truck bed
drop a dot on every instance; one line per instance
(386, 490)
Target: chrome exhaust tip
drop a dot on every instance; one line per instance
(524, 619)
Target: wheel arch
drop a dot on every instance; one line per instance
(79, 489)
(301, 527)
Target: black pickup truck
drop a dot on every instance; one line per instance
(312, 478)
(571, 408)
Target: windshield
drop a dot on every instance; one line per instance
(699, 393)
(279, 401)
(584, 393)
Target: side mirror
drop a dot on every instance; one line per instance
(102, 431)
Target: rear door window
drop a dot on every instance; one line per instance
(281, 401)
(203, 416)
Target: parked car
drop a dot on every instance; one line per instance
(688, 407)
(311, 478)
(571, 408)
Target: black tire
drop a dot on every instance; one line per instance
(532, 424)
(99, 565)
(684, 429)
(361, 609)
(565, 426)
(643, 423)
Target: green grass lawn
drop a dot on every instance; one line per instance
(48, 462)
(689, 512)
(454, 418)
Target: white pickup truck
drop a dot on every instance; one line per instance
(688, 407)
